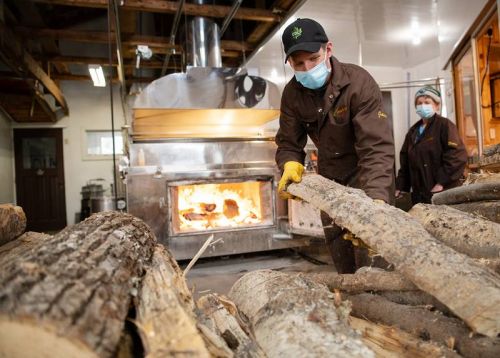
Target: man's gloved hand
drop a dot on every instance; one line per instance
(292, 173)
(358, 242)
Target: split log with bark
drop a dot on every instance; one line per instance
(363, 281)
(391, 342)
(466, 233)
(468, 193)
(71, 295)
(12, 222)
(426, 324)
(488, 209)
(230, 325)
(295, 317)
(469, 290)
(165, 311)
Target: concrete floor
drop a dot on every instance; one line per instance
(217, 275)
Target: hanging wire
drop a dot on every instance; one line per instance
(110, 77)
(243, 45)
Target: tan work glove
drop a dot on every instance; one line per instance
(292, 173)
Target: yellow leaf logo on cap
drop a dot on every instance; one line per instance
(296, 33)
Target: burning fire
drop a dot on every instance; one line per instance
(209, 206)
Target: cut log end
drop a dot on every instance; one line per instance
(30, 339)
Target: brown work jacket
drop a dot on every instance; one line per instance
(437, 157)
(347, 124)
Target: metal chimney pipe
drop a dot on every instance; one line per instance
(203, 41)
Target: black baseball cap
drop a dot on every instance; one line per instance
(303, 35)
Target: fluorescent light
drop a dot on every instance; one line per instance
(97, 75)
(416, 40)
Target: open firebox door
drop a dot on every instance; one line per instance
(201, 162)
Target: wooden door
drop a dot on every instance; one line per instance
(40, 177)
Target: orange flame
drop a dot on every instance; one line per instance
(226, 205)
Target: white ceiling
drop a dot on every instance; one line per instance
(382, 29)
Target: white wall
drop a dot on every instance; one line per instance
(89, 108)
(6, 161)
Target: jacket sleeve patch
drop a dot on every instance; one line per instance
(382, 115)
(452, 144)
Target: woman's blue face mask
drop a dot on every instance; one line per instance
(425, 110)
(314, 78)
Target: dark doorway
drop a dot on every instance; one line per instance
(40, 177)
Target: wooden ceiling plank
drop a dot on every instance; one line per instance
(88, 79)
(13, 49)
(158, 44)
(262, 29)
(103, 61)
(170, 7)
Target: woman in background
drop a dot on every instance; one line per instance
(433, 156)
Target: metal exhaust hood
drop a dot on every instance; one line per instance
(206, 101)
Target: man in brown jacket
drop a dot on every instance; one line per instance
(339, 106)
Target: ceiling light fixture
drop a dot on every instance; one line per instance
(416, 37)
(97, 75)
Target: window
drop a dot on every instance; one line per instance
(99, 144)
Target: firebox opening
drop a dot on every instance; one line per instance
(217, 206)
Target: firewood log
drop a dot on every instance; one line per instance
(165, 316)
(468, 193)
(487, 209)
(363, 281)
(469, 290)
(429, 325)
(415, 298)
(295, 317)
(70, 296)
(466, 233)
(15, 248)
(226, 318)
(12, 222)
(391, 342)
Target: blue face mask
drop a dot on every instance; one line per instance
(425, 110)
(315, 77)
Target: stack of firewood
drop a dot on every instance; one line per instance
(480, 195)
(105, 288)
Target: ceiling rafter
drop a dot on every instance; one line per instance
(170, 7)
(129, 40)
(15, 55)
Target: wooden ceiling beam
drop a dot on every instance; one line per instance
(262, 29)
(159, 44)
(115, 79)
(170, 7)
(103, 61)
(16, 56)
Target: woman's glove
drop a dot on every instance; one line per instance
(292, 173)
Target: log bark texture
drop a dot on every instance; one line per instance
(24, 243)
(165, 311)
(469, 290)
(70, 296)
(295, 317)
(488, 209)
(391, 342)
(429, 325)
(226, 319)
(12, 222)
(466, 233)
(363, 281)
(468, 193)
